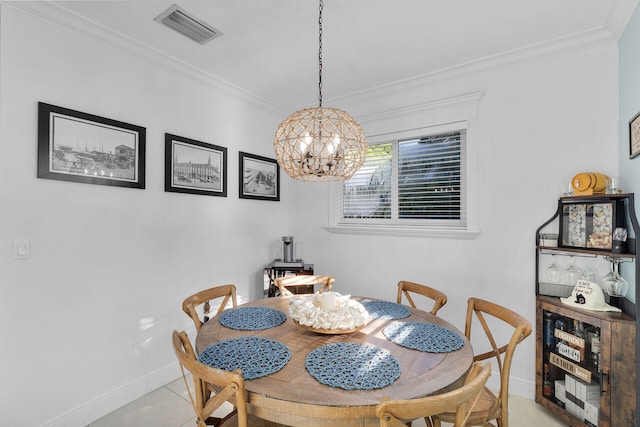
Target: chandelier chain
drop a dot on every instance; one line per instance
(320, 144)
(320, 54)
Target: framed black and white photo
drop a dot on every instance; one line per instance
(634, 136)
(194, 167)
(259, 177)
(81, 147)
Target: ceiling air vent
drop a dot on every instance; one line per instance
(183, 22)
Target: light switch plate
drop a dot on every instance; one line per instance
(21, 249)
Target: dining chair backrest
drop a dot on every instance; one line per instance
(191, 304)
(461, 401)
(406, 288)
(490, 315)
(303, 280)
(229, 385)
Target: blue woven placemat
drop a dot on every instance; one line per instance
(257, 357)
(386, 310)
(251, 318)
(423, 336)
(353, 366)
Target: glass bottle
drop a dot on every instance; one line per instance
(593, 342)
(559, 325)
(549, 326)
(547, 384)
(578, 331)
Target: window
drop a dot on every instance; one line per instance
(412, 183)
(428, 186)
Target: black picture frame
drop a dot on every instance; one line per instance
(634, 136)
(259, 177)
(589, 224)
(194, 167)
(82, 147)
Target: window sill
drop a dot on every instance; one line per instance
(437, 233)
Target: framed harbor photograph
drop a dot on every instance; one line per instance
(81, 147)
(259, 178)
(194, 167)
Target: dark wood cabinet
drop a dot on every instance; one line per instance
(581, 385)
(582, 382)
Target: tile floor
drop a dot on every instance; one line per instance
(169, 406)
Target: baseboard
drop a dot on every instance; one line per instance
(517, 386)
(90, 411)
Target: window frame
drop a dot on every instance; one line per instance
(466, 113)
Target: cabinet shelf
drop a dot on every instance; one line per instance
(585, 252)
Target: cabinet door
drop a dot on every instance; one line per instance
(570, 365)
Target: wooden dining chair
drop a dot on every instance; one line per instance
(491, 406)
(406, 288)
(229, 385)
(212, 387)
(303, 280)
(191, 304)
(460, 401)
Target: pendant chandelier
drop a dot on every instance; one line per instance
(320, 144)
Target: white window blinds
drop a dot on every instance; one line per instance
(410, 180)
(429, 177)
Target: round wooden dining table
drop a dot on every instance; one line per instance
(293, 397)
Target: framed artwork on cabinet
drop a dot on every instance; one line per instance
(634, 136)
(81, 147)
(590, 224)
(194, 167)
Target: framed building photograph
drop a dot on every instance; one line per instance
(81, 147)
(634, 136)
(259, 177)
(194, 167)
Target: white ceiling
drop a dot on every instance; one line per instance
(269, 47)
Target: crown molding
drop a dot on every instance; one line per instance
(527, 54)
(56, 14)
(619, 17)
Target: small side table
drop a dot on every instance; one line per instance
(276, 269)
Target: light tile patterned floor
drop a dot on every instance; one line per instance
(169, 406)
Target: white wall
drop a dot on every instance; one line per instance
(87, 319)
(540, 123)
(90, 313)
(629, 107)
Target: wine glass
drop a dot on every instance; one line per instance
(571, 273)
(610, 275)
(553, 272)
(614, 284)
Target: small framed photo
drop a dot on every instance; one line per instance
(194, 167)
(634, 136)
(81, 147)
(259, 177)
